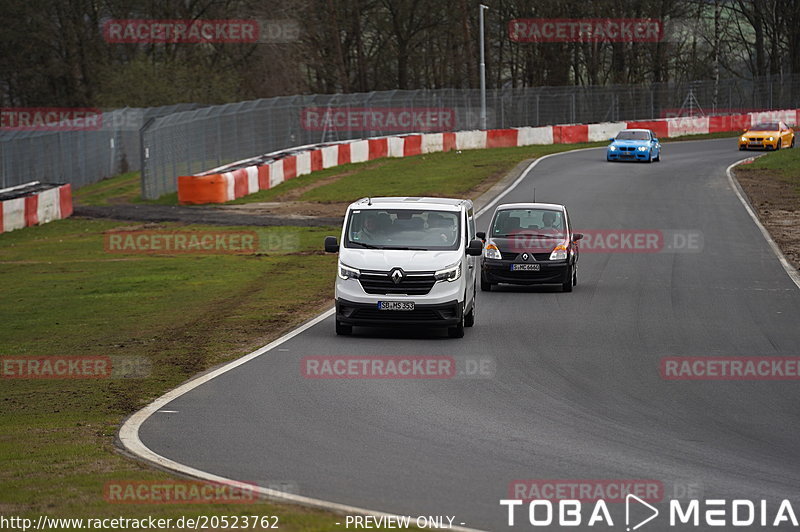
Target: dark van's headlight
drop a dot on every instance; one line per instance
(491, 251)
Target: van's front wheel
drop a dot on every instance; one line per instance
(342, 329)
(458, 330)
(469, 319)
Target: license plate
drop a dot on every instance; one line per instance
(755, 144)
(524, 267)
(395, 305)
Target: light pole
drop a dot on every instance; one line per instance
(483, 71)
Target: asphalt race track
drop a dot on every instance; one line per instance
(577, 392)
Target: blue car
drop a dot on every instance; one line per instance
(634, 145)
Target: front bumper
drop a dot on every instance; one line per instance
(622, 155)
(423, 315)
(550, 272)
(758, 145)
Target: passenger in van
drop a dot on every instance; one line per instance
(442, 227)
(414, 223)
(551, 220)
(369, 230)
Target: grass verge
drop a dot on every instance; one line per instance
(65, 295)
(772, 183)
(446, 174)
(124, 188)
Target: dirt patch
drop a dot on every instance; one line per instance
(287, 205)
(297, 193)
(254, 214)
(777, 204)
(289, 209)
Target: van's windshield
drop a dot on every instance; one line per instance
(403, 229)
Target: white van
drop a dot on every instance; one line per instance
(407, 261)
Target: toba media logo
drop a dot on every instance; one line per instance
(638, 512)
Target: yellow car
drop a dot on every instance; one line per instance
(767, 135)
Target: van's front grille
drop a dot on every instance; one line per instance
(413, 283)
(540, 257)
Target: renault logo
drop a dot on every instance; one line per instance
(396, 275)
(524, 256)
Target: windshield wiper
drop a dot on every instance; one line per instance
(538, 235)
(553, 236)
(405, 248)
(363, 245)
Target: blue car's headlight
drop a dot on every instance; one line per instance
(612, 148)
(642, 148)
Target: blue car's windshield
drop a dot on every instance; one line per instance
(633, 135)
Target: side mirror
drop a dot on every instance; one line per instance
(577, 236)
(481, 235)
(331, 245)
(475, 248)
(612, 139)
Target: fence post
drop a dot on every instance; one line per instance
(144, 157)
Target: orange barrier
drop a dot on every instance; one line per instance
(197, 190)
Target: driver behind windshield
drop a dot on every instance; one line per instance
(442, 227)
(551, 220)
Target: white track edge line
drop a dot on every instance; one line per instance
(794, 275)
(129, 431)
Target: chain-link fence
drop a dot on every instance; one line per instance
(190, 142)
(166, 142)
(79, 157)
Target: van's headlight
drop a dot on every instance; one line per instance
(451, 273)
(346, 272)
(559, 253)
(642, 148)
(492, 252)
